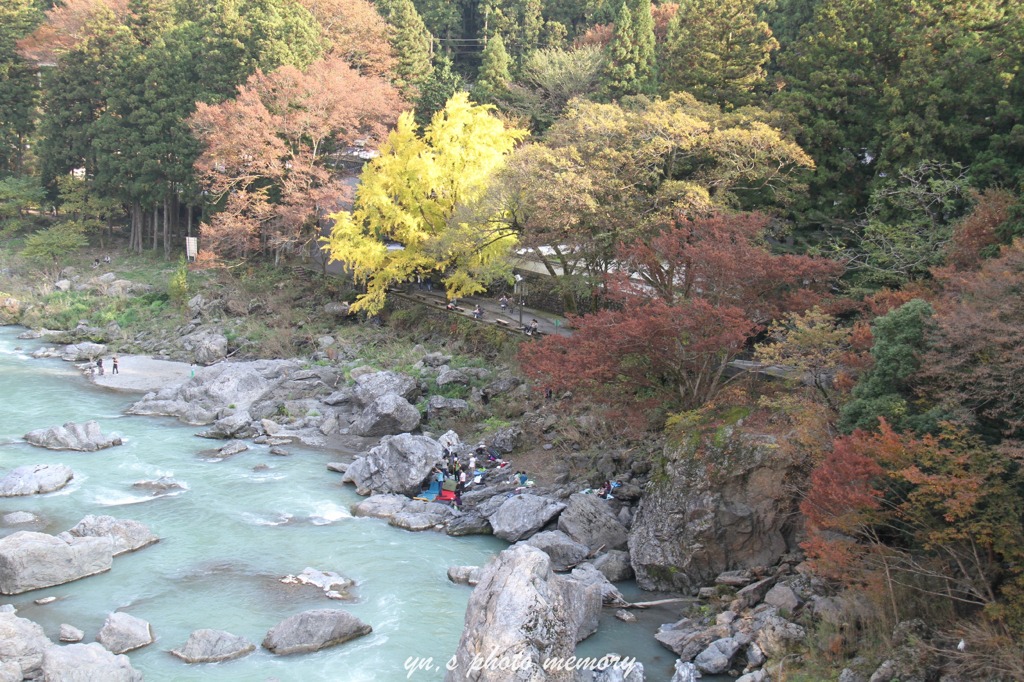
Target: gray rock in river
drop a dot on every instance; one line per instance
(87, 663)
(527, 614)
(399, 464)
(563, 550)
(29, 561)
(520, 516)
(80, 352)
(69, 633)
(33, 479)
(387, 415)
(213, 646)
(85, 437)
(314, 630)
(615, 566)
(127, 535)
(465, 575)
(589, 519)
(123, 632)
(22, 644)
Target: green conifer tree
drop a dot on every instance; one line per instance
(412, 43)
(494, 76)
(629, 68)
(716, 50)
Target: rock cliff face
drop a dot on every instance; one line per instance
(730, 508)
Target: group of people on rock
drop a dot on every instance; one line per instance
(457, 471)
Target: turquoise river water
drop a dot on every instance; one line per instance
(231, 535)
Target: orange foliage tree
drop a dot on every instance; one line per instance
(267, 155)
(939, 517)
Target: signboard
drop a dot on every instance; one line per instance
(191, 247)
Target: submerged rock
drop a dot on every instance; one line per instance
(123, 632)
(314, 630)
(213, 646)
(85, 437)
(35, 479)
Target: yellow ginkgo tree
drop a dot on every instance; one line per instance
(418, 207)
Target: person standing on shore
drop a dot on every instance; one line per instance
(113, 367)
(99, 366)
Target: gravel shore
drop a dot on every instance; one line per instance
(141, 374)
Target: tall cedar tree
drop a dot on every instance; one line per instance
(887, 390)
(718, 50)
(19, 84)
(266, 151)
(412, 44)
(683, 305)
(629, 58)
(493, 79)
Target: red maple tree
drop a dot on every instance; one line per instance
(681, 308)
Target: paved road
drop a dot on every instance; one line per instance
(547, 323)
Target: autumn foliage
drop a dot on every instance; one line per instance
(682, 307)
(268, 152)
(935, 517)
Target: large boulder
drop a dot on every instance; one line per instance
(123, 632)
(520, 516)
(22, 643)
(234, 386)
(87, 663)
(717, 657)
(615, 566)
(524, 614)
(699, 521)
(213, 646)
(440, 407)
(589, 520)
(563, 550)
(380, 506)
(85, 437)
(205, 346)
(126, 534)
(388, 414)
(81, 352)
(399, 464)
(35, 479)
(30, 561)
(314, 630)
(373, 385)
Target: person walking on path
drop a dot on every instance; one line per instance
(113, 368)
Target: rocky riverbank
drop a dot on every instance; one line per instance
(726, 534)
